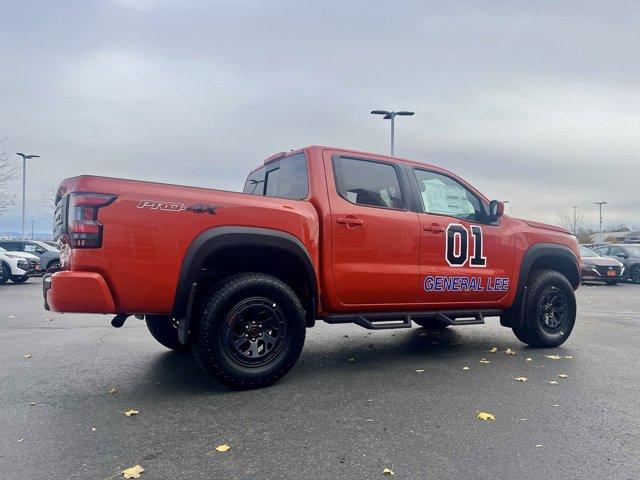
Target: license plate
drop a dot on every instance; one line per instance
(611, 273)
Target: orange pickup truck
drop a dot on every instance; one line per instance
(318, 234)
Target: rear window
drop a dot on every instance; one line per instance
(285, 178)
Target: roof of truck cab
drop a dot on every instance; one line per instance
(349, 151)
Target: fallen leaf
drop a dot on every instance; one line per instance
(553, 357)
(49, 319)
(387, 472)
(568, 356)
(521, 379)
(133, 472)
(484, 360)
(20, 441)
(33, 404)
(129, 413)
(113, 390)
(529, 359)
(494, 350)
(465, 368)
(508, 351)
(563, 375)
(369, 420)
(420, 370)
(539, 446)
(28, 355)
(486, 416)
(93, 429)
(351, 360)
(553, 382)
(556, 405)
(12, 316)
(225, 447)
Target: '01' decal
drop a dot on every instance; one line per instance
(465, 245)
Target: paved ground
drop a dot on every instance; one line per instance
(330, 417)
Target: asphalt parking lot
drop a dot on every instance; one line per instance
(356, 403)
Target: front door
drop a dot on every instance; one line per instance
(464, 258)
(375, 238)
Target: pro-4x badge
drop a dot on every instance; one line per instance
(179, 207)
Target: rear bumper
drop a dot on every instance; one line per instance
(77, 292)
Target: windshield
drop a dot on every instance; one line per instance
(585, 252)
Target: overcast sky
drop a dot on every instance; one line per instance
(537, 103)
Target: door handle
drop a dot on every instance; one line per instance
(350, 222)
(434, 227)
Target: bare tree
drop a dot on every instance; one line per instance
(571, 222)
(9, 171)
(48, 201)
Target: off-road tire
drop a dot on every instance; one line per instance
(213, 348)
(165, 332)
(534, 331)
(430, 323)
(5, 273)
(17, 279)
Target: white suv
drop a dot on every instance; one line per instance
(17, 266)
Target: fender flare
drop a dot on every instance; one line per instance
(513, 315)
(214, 239)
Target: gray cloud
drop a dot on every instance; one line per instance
(535, 102)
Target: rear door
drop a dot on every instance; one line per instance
(464, 257)
(375, 237)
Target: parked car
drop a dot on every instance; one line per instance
(599, 268)
(48, 255)
(318, 234)
(628, 254)
(17, 266)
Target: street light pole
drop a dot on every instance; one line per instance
(25, 157)
(575, 215)
(389, 115)
(600, 205)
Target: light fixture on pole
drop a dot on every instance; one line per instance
(600, 205)
(387, 115)
(25, 157)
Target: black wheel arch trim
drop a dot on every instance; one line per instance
(513, 315)
(214, 239)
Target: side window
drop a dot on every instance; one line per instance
(255, 182)
(13, 246)
(615, 251)
(603, 250)
(29, 247)
(286, 178)
(442, 195)
(370, 183)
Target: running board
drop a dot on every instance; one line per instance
(384, 321)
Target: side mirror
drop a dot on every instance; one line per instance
(622, 255)
(496, 209)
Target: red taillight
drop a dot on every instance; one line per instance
(84, 229)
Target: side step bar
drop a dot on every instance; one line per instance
(384, 321)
